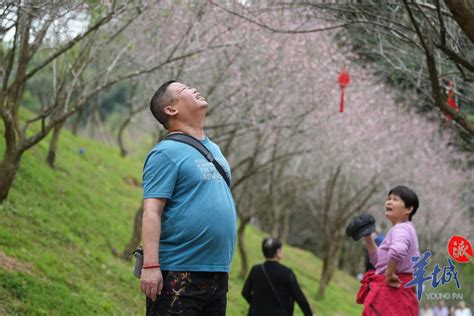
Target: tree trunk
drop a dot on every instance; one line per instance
(330, 261)
(244, 262)
(275, 223)
(426, 39)
(123, 150)
(8, 169)
(53, 145)
(286, 226)
(324, 277)
(131, 113)
(463, 13)
(77, 121)
(136, 235)
(342, 259)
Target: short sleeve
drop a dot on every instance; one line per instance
(159, 175)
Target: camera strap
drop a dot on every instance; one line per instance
(193, 142)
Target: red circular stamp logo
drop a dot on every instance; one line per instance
(459, 249)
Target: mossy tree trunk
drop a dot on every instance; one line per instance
(244, 265)
(53, 145)
(136, 235)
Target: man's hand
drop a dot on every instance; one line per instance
(393, 280)
(151, 282)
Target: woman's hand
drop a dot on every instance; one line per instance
(393, 280)
(390, 277)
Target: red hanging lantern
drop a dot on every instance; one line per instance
(344, 80)
(451, 102)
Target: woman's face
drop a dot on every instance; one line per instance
(395, 209)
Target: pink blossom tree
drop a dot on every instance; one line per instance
(353, 158)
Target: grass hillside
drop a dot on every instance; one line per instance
(57, 227)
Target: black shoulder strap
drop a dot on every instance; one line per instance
(271, 285)
(193, 142)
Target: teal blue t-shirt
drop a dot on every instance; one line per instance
(198, 225)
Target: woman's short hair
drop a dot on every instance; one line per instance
(270, 246)
(408, 196)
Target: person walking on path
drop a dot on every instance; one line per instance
(189, 216)
(271, 288)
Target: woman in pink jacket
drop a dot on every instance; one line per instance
(383, 291)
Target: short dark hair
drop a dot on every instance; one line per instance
(159, 101)
(270, 246)
(408, 196)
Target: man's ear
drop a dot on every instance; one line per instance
(410, 210)
(170, 110)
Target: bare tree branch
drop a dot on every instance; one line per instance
(73, 42)
(285, 31)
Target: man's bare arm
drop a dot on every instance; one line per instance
(151, 279)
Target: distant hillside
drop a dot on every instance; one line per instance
(57, 227)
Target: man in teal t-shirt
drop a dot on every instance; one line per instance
(189, 216)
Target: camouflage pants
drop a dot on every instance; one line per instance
(191, 294)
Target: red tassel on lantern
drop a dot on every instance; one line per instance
(344, 80)
(451, 102)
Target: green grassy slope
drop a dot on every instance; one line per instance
(57, 226)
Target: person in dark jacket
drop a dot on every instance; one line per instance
(271, 288)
